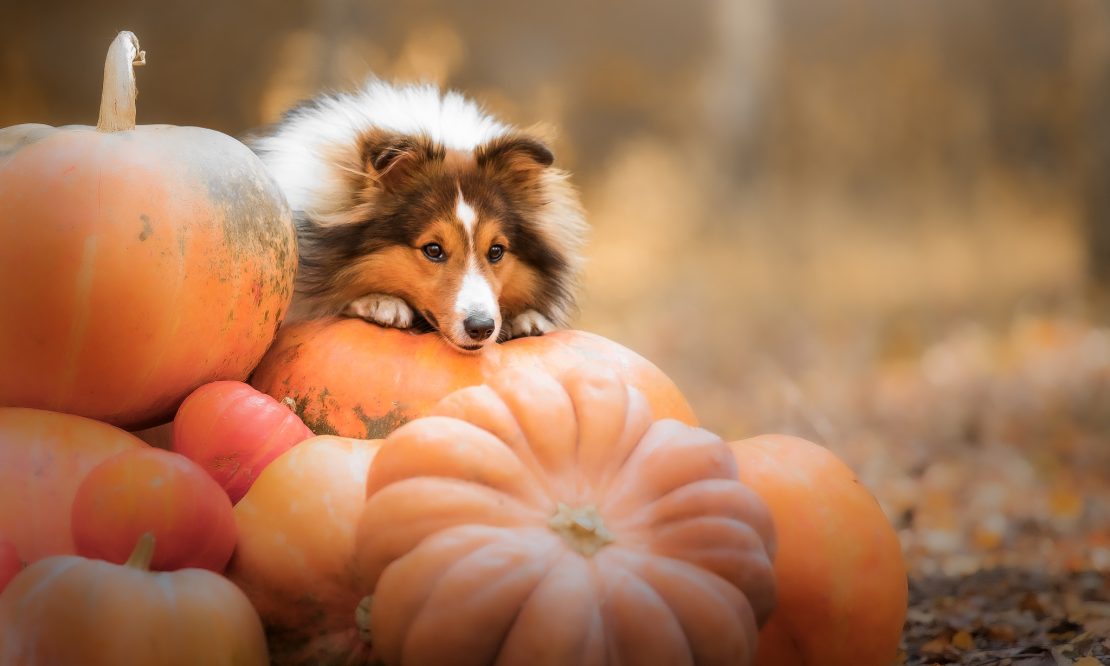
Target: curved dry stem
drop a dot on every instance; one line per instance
(117, 98)
(143, 553)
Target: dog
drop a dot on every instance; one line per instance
(414, 208)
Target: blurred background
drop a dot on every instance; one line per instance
(884, 226)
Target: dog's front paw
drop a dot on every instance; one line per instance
(528, 323)
(381, 309)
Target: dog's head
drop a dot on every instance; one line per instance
(467, 238)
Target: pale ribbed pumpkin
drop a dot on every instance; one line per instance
(70, 610)
(136, 263)
(544, 521)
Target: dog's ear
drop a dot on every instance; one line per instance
(390, 159)
(521, 155)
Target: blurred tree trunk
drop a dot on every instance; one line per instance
(1092, 57)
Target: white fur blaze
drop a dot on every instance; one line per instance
(475, 297)
(466, 215)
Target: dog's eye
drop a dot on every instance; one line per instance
(495, 253)
(434, 252)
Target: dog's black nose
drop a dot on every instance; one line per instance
(478, 327)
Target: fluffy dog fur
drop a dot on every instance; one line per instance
(402, 197)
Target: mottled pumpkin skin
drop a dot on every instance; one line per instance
(555, 522)
(355, 379)
(135, 266)
(68, 610)
(44, 457)
(296, 543)
(10, 564)
(841, 577)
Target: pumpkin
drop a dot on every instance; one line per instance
(841, 578)
(161, 258)
(355, 379)
(151, 490)
(10, 564)
(537, 521)
(233, 431)
(296, 542)
(44, 456)
(71, 610)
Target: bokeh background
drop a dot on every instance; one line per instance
(884, 226)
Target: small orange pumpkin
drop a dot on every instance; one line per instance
(161, 258)
(841, 578)
(542, 521)
(44, 457)
(156, 491)
(296, 542)
(355, 379)
(70, 610)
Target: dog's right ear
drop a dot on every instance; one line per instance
(389, 159)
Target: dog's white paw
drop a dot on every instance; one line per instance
(528, 323)
(381, 309)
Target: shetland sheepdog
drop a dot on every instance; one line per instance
(416, 209)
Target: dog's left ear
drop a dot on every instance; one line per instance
(520, 154)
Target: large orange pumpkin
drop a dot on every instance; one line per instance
(44, 456)
(555, 522)
(296, 543)
(70, 610)
(841, 578)
(356, 379)
(136, 263)
(10, 564)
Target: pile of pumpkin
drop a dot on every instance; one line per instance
(549, 500)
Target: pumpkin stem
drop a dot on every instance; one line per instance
(143, 553)
(362, 618)
(117, 99)
(582, 528)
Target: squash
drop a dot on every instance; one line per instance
(10, 564)
(544, 521)
(233, 431)
(71, 610)
(841, 577)
(354, 379)
(296, 542)
(44, 457)
(161, 258)
(151, 490)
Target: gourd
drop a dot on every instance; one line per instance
(136, 262)
(234, 431)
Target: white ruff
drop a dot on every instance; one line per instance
(313, 150)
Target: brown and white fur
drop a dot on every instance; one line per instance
(414, 207)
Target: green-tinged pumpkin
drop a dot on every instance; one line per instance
(139, 261)
(354, 379)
